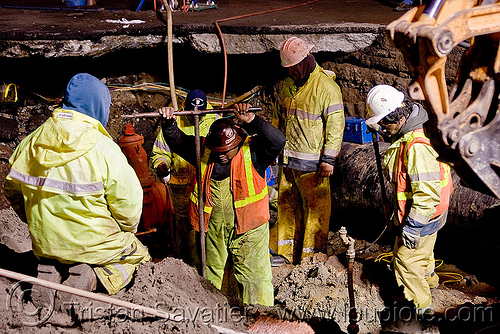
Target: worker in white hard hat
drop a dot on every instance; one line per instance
(422, 187)
(310, 112)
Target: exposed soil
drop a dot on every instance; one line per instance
(310, 296)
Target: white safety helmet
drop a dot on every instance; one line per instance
(293, 51)
(381, 101)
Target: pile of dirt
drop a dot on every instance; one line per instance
(14, 232)
(190, 304)
(317, 288)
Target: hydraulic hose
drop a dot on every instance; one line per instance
(170, 55)
(240, 17)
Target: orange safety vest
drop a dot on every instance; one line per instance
(403, 183)
(251, 201)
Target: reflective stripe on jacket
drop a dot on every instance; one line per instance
(83, 201)
(423, 185)
(312, 119)
(182, 172)
(249, 190)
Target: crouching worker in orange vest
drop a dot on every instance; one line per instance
(236, 208)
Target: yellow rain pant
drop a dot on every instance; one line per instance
(249, 251)
(414, 270)
(118, 272)
(304, 208)
(273, 231)
(185, 235)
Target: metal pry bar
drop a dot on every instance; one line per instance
(189, 112)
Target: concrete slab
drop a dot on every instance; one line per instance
(51, 29)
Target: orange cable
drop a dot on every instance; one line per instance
(240, 17)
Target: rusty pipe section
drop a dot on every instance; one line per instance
(157, 212)
(353, 327)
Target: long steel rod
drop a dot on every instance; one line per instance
(201, 204)
(189, 112)
(385, 200)
(105, 299)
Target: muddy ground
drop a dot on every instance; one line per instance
(314, 292)
(311, 296)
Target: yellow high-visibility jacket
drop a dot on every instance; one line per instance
(312, 119)
(82, 199)
(181, 171)
(421, 183)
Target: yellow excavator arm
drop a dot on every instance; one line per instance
(464, 123)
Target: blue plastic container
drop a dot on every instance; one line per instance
(76, 3)
(356, 131)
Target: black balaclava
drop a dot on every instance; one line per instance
(305, 68)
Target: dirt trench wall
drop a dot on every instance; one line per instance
(356, 72)
(380, 63)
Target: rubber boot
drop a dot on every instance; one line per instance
(42, 296)
(81, 276)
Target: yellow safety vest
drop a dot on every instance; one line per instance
(83, 200)
(311, 117)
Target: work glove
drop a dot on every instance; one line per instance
(162, 170)
(411, 234)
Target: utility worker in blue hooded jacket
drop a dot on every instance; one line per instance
(180, 174)
(80, 197)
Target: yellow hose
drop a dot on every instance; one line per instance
(456, 277)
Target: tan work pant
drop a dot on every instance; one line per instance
(304, 208)
(414, 270)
